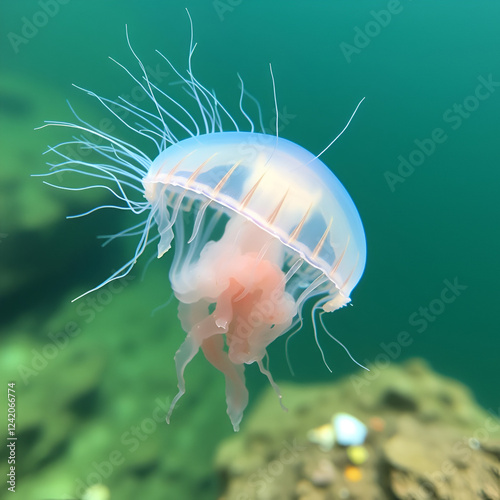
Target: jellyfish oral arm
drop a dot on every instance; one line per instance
(233, 305)
(236, 391)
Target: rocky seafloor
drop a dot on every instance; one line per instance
(427, 439)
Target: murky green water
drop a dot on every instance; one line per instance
(420, 160)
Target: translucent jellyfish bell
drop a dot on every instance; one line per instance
(277, 185)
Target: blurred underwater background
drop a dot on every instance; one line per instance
(94, 378)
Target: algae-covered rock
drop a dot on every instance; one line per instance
(440, 462)
(427, 438)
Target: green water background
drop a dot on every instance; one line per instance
(441, 223)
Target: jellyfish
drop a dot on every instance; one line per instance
(259, 224)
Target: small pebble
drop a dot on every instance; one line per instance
(344, 493)
(474, 444)
(358, 455)
(377, 424)
(322, 474)
(353, 474)
(324, 436)
(96, 492)
(349, 431)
